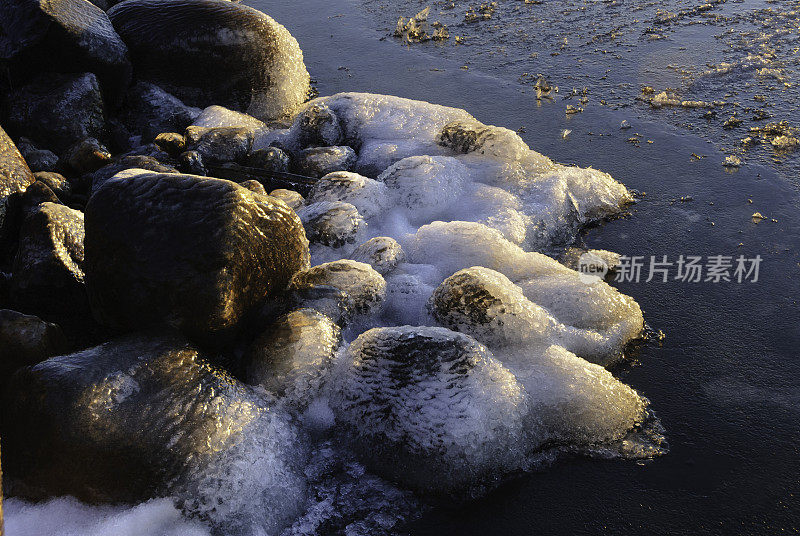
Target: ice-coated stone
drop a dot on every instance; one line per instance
(188, 251)
(430, 408)
(48, 275)
(57, 110)
(64, 36)
(294, 355)
(383, 253)
(369, 196)
(270, 159)
(293, 199)
(149, 416)
(223, 144)
(210, 52)
(364, 289)
(331, 223)
(319, 161)
(15, 177)
(99, 177)
(317, 126)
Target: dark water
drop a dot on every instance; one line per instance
(725, 381)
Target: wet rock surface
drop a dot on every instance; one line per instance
(26, 340)
(191, 252)
(15, 177)
(254, 65)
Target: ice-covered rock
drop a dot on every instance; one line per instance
(332, 223)
(15, 177)
(317, 126)
(209, 52)
(270, 159)
(150, 416)
(222, 144)
(293, 199)
(430, 408)
(218, 116)
(364, 289)
(293, 356)
(64, 36)
(192, 252)
(57, 110)
(383, 253)
(319, 161)
(369, 196)
(99, 177)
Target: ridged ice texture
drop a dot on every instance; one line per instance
(430, 408)
(440, 163)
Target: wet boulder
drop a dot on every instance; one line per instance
(383, 253)
(254, 186)
(87, 156)
(294, 355)
(353, 288)
(171, 143)
(99, 177)
(195, 253)
(430, 408)
(64, 36)
(209, 52)
(319, 161)
(331, 223)
(149, 416)
(48, 277)
(26, 340)
(149, 111)
(15, 177)
(57, 110)
(192, 162)
(56, 182)
(270, 159)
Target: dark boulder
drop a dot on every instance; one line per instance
(15, 177)
(26, 340)
(192, 162)
(57, 183)
(99, 177)
(86, 156)
(57, 110)
(191, 252)
(210, 52)
(64, 36)
(149, 110)
(37, 159)
(150, 416)
(171, 143)
(37, 193)
(270, 159)
(318, 126)
(47, 277)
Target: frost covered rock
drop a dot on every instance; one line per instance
(149, 416)
(218, 116)
(56, 111)
(293, 356)
(15, 177)
(26, 340)
(383, 253)
(149, 111)
(369, 196)
(191, 252)
(363, 288)
(319, 161)
(48, 276)
(450, 166)
(317, 126)
(430, 408)
(64, 36)
(208, 52)
(331, 223)
(293, 199)
(223, 144)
